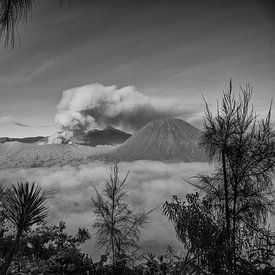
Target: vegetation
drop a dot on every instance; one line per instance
(246, 151)
(23, 206)
(226, 228)
(49, 250)
(11, 13)
(117, 228)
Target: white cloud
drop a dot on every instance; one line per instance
(10, 120)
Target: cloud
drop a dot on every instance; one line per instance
(96, 106)
(7, 120)
(10, 120)
(150, 183)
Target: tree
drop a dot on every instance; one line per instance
(199, 228)
(2, 221)
(117, 228)
(50, 249)
(24, 206)
(11, 13)
(245, 150)
(237, 198)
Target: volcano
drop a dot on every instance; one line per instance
(163, 140)
(107, 136)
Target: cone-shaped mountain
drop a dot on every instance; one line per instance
(166, 139)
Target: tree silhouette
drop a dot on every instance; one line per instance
(238, 195)
(13, 12)
(117, 228)
(199, 228)
(2, 220)
(245, 148)
(24, 206)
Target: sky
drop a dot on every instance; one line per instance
(175, 49)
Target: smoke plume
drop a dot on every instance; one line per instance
(97, 106)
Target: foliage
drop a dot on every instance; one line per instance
(45, 241)
(199, 229)
(51, 250)
(11, 13)
(226, 226)
(3, 225)
(117, 228)
(246, 152)
(24, 206)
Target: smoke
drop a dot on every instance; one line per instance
(97, 106)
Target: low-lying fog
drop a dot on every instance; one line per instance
(150, 183)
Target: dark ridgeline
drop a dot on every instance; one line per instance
(22, 140)
(107, 136)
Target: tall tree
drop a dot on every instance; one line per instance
(237, 198)
(244, 148)
(116, 226)
(24, 205)
(215, 138)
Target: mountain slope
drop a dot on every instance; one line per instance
(16, 154)
(162, 140)
(166, 140)
(107, 136)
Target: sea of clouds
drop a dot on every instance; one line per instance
(149, 184)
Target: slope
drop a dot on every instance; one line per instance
(164, 140)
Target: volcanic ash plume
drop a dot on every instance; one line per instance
(96, 106)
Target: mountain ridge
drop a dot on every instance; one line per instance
(107, 136)
(172, 140)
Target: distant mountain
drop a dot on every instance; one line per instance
(22, 140)
(107, 136)
(164, 140)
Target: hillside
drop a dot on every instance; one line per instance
(166, 140)
(16, 154)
